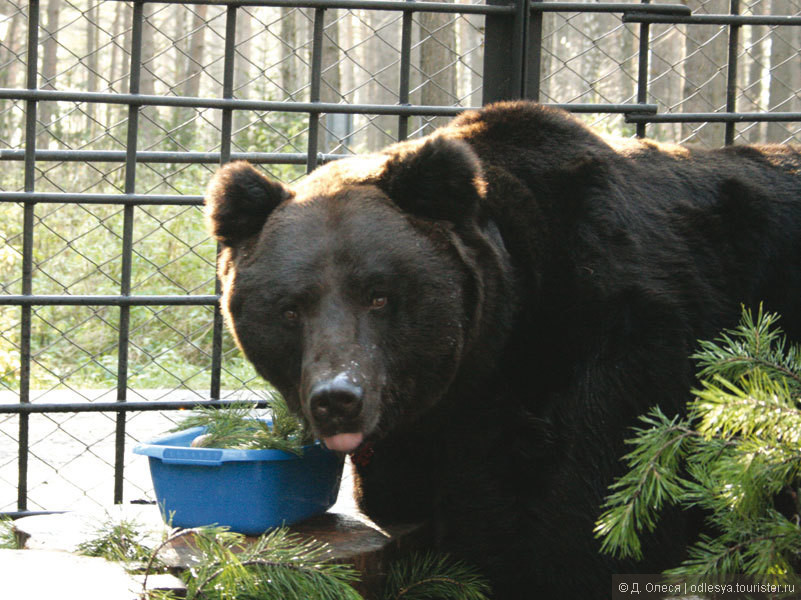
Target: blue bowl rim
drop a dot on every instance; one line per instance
(157, 447)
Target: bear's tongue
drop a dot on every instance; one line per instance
(343, 442)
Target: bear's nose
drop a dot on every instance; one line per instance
(336, 398)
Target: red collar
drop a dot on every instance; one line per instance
(362, 456)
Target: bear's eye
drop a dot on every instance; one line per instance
(291, 315)
(378, 302)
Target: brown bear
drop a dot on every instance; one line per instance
(481, 314)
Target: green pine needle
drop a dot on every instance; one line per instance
(8, 535)
(738, 450)
(238, 426)
(120, 541)
(428, 575)
(753, 344)
(279, 566)
(652, 481)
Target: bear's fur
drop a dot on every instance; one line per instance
(488, 310)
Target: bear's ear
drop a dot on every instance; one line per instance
(439, 178)
(238, 201)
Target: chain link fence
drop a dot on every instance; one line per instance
(113, 115)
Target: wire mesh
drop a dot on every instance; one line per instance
(382, 72)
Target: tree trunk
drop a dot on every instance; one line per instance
(751, 74)
(664, 77)
(9, 51)
(333, 127)
(117, 68)
(47, 110)
(148, 115)
(472, 57)
(289, 37)
(147, 77)
(197, 44)
(704, 77)
(244, 31)
(123, 19)
(627, 73)
(437, 57)
(377, 54)
(181, 35)
(189, 74)
(92, 30)
(9, 71)
(550, 28)
(590, 64)
(785, 74)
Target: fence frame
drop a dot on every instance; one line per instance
(513, 35)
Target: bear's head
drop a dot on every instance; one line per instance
(357, 292)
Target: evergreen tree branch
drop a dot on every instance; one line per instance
(741, 451)
(238, 426)
(278, 565)
(449, 581)
(427, 575)
(652, 480)
(8, 535)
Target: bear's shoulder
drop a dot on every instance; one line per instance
(522, 123)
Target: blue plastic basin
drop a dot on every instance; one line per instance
(248, 491)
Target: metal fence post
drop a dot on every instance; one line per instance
(27, 255)
(533, 50)
(314, 93)
(504, 48)
(731, 72)
(127, 247)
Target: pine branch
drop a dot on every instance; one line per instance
(428, 575)
(651, 482)
(277, 566)
(752, 552)
(120, 541)
(737, 451)
(754, 405)
(238, 426)
(752, 345)
(8, 535)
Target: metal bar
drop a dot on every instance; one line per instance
(121, 407)
(76, 300)
(122, 199)
(642, 69)
(731, 74)
(225, 156)
(778, 20)
(498, 72)
(30, 513)
(222, 103)
(606, 7)
(533, 60)
(127, 247)
(161, 157)
(303, 107)
(612, 7)
(228, 84)
(722, 117)
(520, 49)
(399, 5)
(405, 72)
(314, 93)
(27, 256)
